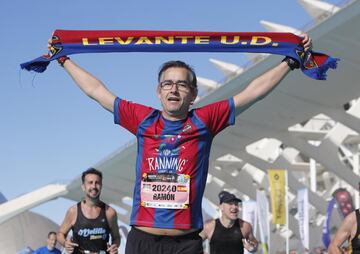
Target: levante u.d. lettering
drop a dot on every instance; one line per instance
(180, 39)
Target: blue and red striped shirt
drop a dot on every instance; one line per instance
(172, 148)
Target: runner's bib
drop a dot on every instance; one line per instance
(165, 190)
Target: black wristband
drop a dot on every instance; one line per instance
(291, 62)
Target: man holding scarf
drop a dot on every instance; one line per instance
(173, 149)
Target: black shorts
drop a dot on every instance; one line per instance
(140, 242)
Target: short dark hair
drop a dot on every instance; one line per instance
(91, 171)
(51, 233)
(179, 64)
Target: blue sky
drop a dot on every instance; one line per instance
(50, 131)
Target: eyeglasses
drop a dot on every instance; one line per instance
(181, 85)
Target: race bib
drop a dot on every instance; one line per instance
(165, 190)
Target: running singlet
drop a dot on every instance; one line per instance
(172, 161)
(226, 240)
(354, 247)
(91, 234)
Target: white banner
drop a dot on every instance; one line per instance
(249, 215)
(303, 216)
(262, 204)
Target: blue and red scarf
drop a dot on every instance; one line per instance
(68, 42)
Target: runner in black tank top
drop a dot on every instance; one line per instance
(354, 247)
(91, 221)
(91, 234)
(229, 234)
(228, 240)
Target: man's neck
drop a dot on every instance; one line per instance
(91, 202)
(91, 208)
(226, 222)
(173, 117)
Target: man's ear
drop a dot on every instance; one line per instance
(195, 94)
(221, 208)
(158, 91)
(83, 187)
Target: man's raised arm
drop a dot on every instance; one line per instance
(263, 84)
(90, 85)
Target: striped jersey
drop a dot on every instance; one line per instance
(172, 161)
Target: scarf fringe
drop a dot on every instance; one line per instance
(320, 73)
(38, 65)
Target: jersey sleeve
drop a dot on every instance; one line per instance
(129, 115)
(217, 116)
